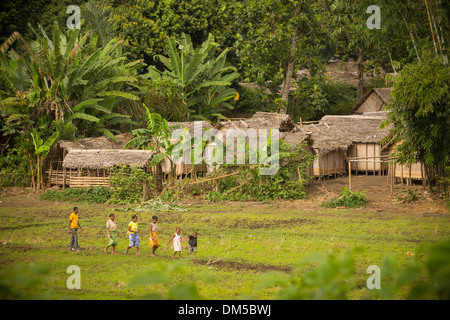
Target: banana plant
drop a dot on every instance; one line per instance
(156, 136)
(69, 78)
(202, 79)
(41, 150)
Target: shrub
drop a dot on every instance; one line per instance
(84, 195)
(348, 199)
(410, 197)
(131, 185)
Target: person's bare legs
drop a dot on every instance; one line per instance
(112, 251)
(137, 250)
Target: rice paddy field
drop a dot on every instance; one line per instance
(238, 245)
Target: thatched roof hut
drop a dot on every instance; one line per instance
(93, 159)
(340, 132)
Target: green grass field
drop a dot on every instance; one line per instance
(238, 243)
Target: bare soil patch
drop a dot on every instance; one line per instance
(244, 266)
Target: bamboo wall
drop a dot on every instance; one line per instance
(406, 173)
(370, 150)
(56, 175)
(331, 163)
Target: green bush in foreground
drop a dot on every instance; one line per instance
(348, 199)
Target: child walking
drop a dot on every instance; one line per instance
(176, 243)
(112, 234)
(74, 223)
(133, 234)
(192, 244)
(154, 239)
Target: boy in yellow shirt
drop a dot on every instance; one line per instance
(133, 234)
(73, 229)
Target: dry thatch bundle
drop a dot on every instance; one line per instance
(96, 143)
(294, 138)
(340, 132)
(261, 120)
(106, 158)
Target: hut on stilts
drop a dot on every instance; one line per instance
(58, 175)
(335, 139)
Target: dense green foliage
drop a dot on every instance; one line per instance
(81, 195)
(249, 184)
(420, 113)
(131, 185)
(201, 78)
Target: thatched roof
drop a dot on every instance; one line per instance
(383, 93)
(261, 120)
(190, 125)
(294, 138)
(96, 143)
(340, 132)
(106, 158)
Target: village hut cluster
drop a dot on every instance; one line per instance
(342, 144)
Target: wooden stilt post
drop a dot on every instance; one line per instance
(349, 174)
(50, 174)
(410, 179)
(401, 174)
(392, 178)
(367, 160)
(64, 177)
(422, 175)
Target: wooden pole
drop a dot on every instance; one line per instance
(50, 174)
(215, 178)
(422, 175)
(64, 177)
(410, 179)
(401, 174)
(367, 162)
(392, 178)
(350, 175)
